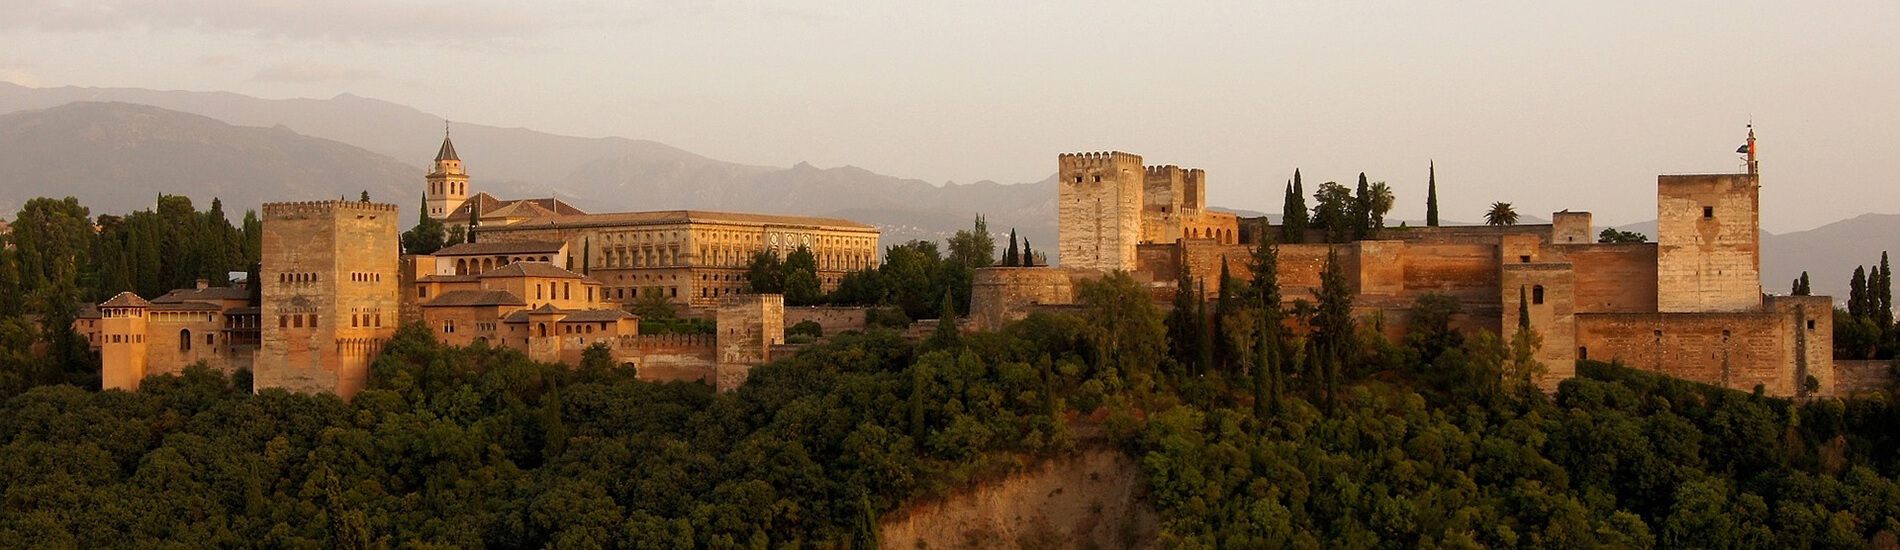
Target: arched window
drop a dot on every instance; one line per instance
(544, 330)
(184, 340)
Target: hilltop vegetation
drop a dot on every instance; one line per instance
(481, 447)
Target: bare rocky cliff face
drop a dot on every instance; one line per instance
(1089, 499)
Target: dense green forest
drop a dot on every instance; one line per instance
(481, 447)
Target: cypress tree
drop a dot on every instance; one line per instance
(919, 385)
(1857, 294)
(1883, 292)
(1523, 310)
(1029, 256)
(947, 335)
(587, 255)
(1183, 326)
(1012, 257)
(1362, 210)
(473, 221)
(1431, 195)
(1807, 287)
(1223, 305)
(1206, 345)
(1293, 217)
(1264, 371)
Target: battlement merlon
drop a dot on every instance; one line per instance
(1159, 169)
(1099, 160)
(291, 210)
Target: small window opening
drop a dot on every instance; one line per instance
(1583, 352)
(1537, 294)
(1708, 211)
(1810, 324)
(1525, 259)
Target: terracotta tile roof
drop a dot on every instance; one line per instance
(447, 279)
(464, 298)
(126, 299)
(186, 306)
(679, 216)
(530, 269)
(216, 293)
(571, 315)
(596, 316)
(498, 248)
(488, 204)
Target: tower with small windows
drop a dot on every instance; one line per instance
(1099, 209)
(1708, 240)
(122, 348)
(447, 182)
(330, 294)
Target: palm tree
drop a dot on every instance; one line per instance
(1382, 200)
(1500, 214)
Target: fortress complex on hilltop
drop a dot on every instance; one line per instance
(542, 277)
(1689, 305)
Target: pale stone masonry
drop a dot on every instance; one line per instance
(1689, 305)
(330, 294)
(1708, 242)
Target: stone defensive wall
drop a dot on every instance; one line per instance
(667, 357)
(1000, 295)
(290, 210)
(1611, 277)
(832, 319)
(1862, 377)
(1774, 348)
(1387, 276)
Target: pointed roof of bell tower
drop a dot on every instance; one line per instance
(448, 147)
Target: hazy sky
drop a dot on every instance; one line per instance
(1547, 105)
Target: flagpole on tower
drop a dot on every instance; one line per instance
(1754, 166)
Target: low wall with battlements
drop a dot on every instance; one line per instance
(832, 319)
(1000, 295)
(667, 357)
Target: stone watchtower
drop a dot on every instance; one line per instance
(448, 183)
(1099, 209)
(330, 294)
(1708, 243)
(122, 324)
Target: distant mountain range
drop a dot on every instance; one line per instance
(116, 149)
(596, 174)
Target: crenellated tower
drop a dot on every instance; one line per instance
(330, 294)
(448, 183)
(1099, 209)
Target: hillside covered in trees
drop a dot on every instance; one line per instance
(481, 447)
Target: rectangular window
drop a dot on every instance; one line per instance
(283, 322)
(1708, 211)
(297, 320)
(422, 292)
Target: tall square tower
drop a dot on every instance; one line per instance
(1708, 253)
(1099, 209)
(330, 294)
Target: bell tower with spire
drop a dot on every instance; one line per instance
(448, 184)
